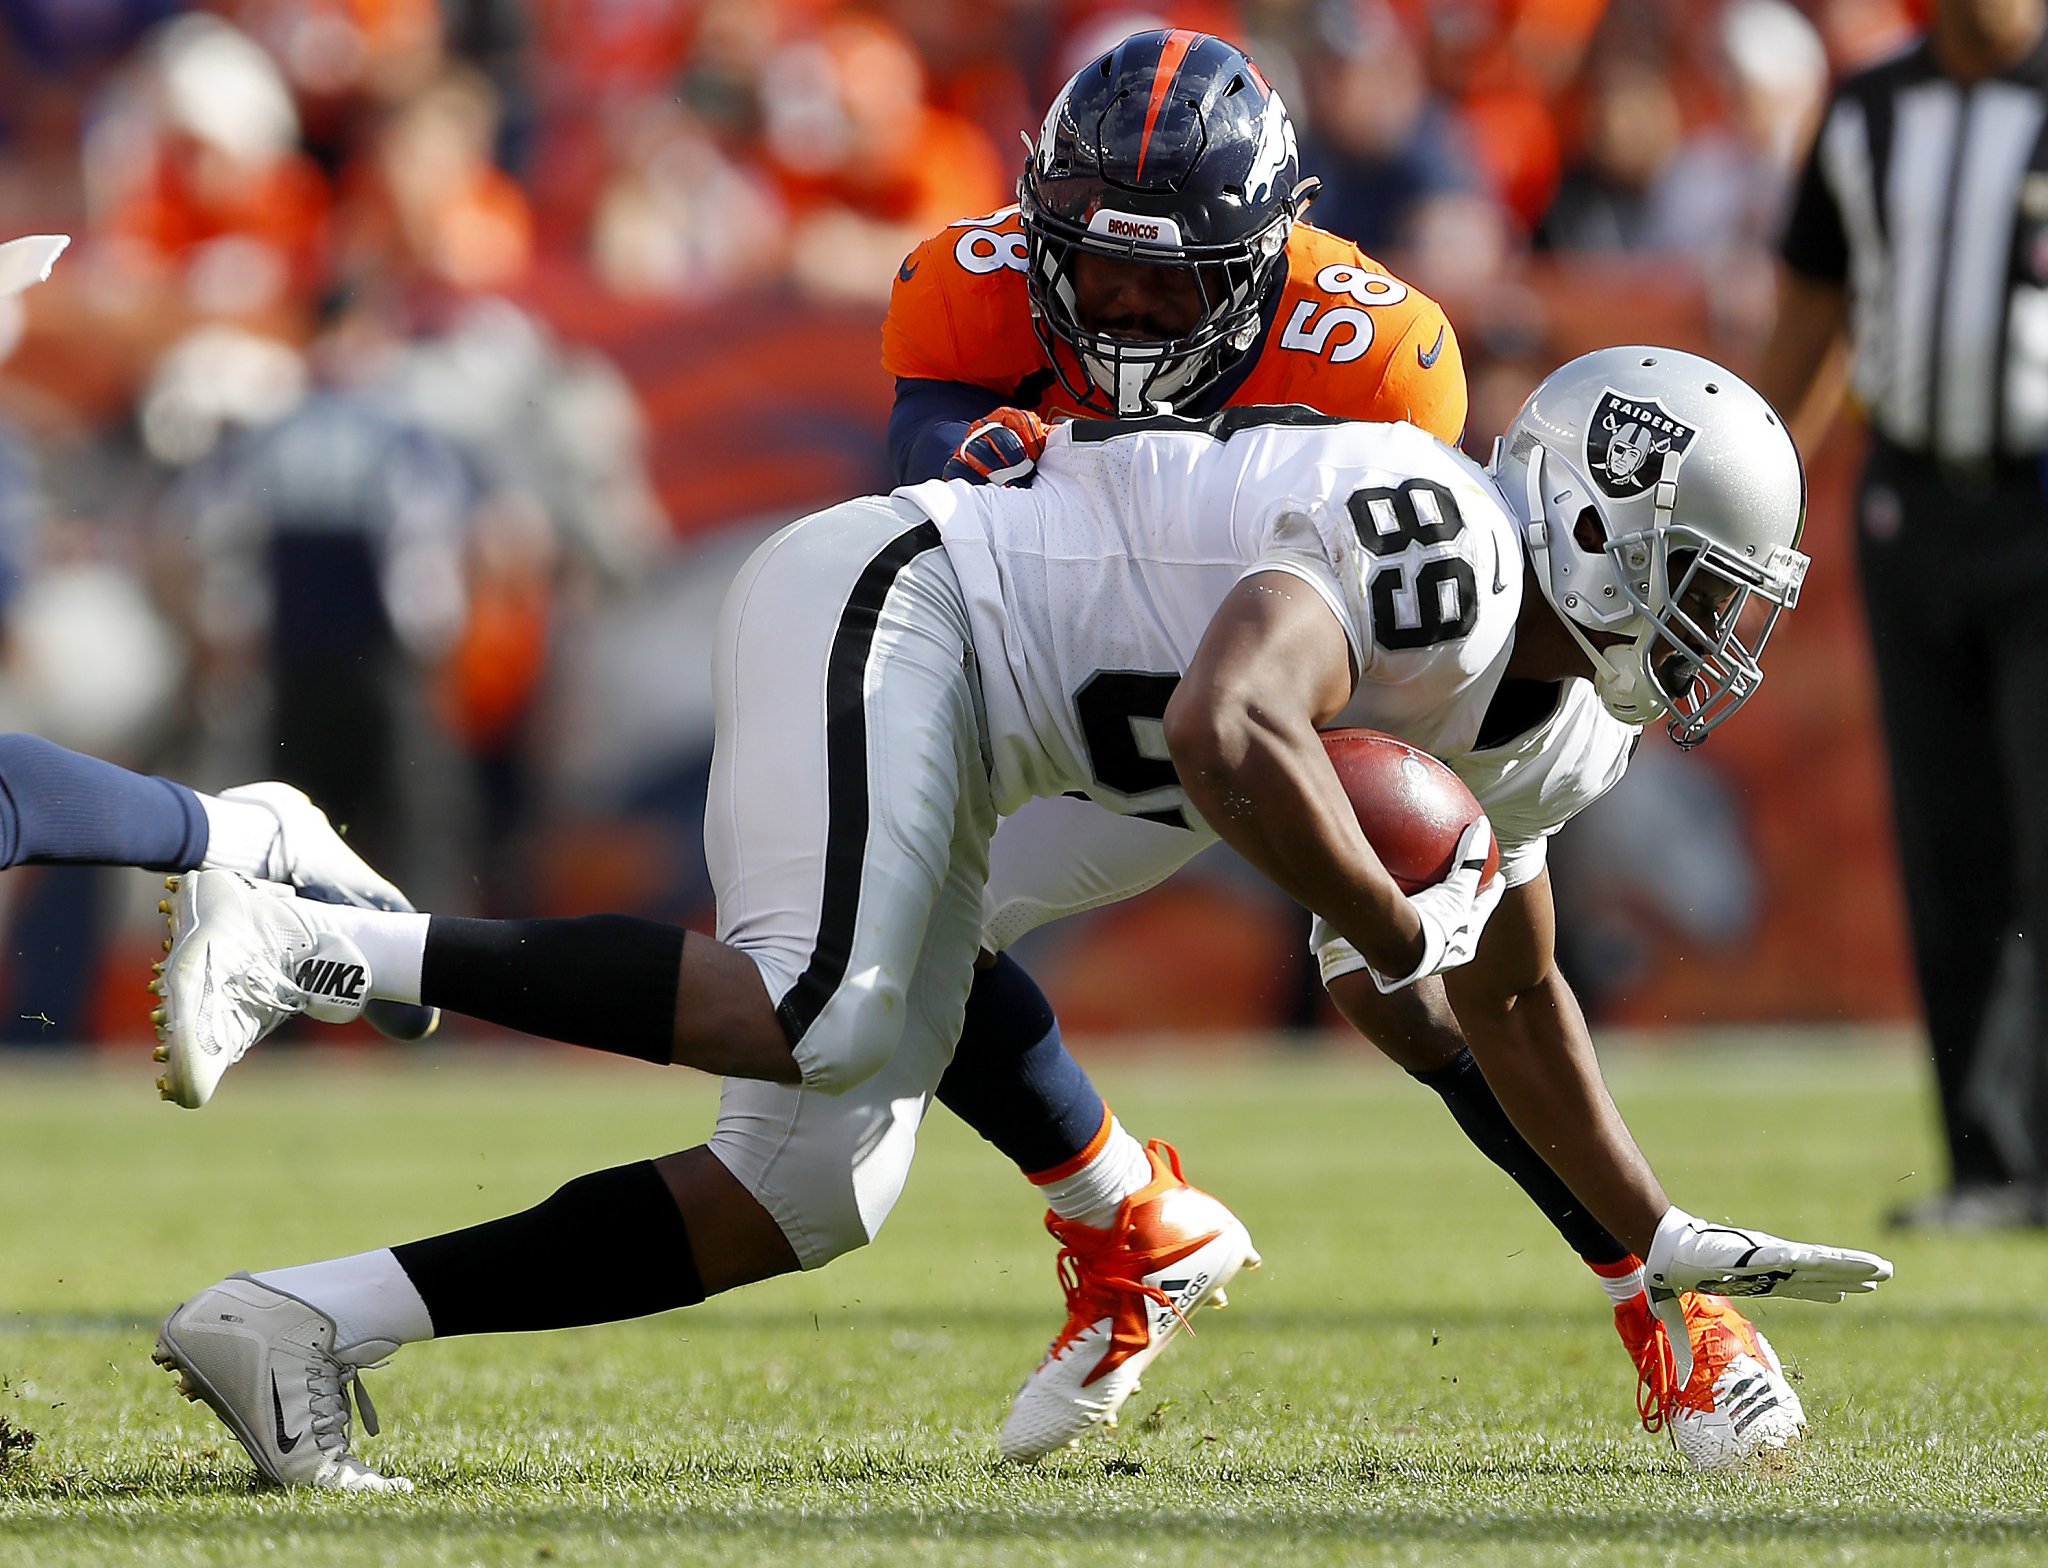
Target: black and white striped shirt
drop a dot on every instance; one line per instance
(1928, 199)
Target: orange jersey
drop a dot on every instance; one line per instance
(1348, 338)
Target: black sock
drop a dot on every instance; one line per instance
(603, 981)
(1472, 1101)
(606, 1246)
(1012, 1078)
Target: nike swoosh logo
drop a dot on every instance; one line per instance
(207, 1042)
(1435, 349)
(284, 1444)
(905, 272)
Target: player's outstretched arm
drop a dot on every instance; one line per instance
(1525, 1029)
(928, 422)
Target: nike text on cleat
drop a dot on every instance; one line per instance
(313, 857)
(241, 959)
(267, 1365)
(1736, 1403)
(334, 981)
(1171, 1249)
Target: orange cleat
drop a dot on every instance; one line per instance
(1736, 1403)
(1171, 1249)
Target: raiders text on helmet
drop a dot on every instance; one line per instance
(1662, 500)
(1170, 149)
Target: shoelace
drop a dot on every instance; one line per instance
(330, 1387)
(1656, 1377)
(266, 987)
(1093, 1291)
(1655, 1374)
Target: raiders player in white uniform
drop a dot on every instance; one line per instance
(1163, 622)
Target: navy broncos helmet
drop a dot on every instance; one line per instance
(1170, 149)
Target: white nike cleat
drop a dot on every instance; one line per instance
(1171, 1249)
(315, 859)
(241, 962)
(266, 1363)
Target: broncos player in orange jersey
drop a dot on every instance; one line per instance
(1156, 261)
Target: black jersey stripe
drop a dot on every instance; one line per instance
(846, 779)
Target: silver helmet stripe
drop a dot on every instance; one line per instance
(1619, 675)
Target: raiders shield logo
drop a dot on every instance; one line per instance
(1627, 441)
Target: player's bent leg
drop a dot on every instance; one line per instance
(1012, 1078)
(1736, 1404)
(244, 956)
(1015, 1083)
(835, 832)
(734, 1240)
(276, 1354)
(1168, 1250)
(829, 1167)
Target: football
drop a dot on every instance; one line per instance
(1410, 805)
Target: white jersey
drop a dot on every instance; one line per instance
(1089, 591)
(1535, 783)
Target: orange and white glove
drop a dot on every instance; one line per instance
(1001, 450)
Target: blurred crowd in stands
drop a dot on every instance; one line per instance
(421, 368)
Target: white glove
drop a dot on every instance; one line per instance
(1454, 911)
(1727, 1260)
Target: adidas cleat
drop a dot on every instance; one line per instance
(313, 857)
(266, 1364)
(1736, 1401)
(1172, 1249)
(242, 962)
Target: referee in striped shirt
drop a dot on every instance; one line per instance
(1919, 238)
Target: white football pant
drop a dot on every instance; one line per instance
(847, 832)
(1059, 855)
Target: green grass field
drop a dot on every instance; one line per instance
(1419, 1374)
